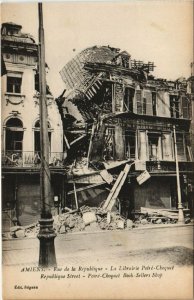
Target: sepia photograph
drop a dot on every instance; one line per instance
(97, 144)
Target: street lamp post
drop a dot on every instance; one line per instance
(46, 234)
(181, 219)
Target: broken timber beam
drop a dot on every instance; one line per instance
(87, 187)
(78, 139)
(75, 194)
(111, 199)
(159, 212)
(90, 145)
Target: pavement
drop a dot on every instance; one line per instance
(143, 263)
(102, 245)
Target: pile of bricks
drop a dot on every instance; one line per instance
(86, 219)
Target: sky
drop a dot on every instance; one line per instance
(158, 31)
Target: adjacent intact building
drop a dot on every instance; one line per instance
(21, 130)
(115, 112)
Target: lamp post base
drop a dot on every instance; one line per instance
(47, 257)
(181, 218)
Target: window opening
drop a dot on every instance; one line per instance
(37, 136)
(154, 103)
(185, 107)
(109, 149)
(153, 142)
(14, 135)
(14, 84)
(144, 106)
(139, 101)
(128, 99)
(174, 106)
(130, 144)
(180, 141)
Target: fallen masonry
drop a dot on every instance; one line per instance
(95, 218)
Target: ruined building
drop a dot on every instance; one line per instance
(115, 113)
(111, 133)
(20, 130)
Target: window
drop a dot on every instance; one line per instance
(154, 143)
(130, 144)
(154, 103)
(185, 107)
(14, 134)
(167, 146)
(37, 136)
(128, 99)
(139, 101)
(125, 61)
(109, 149)
(144, 102)
(144, 106)
(181, 151)
(118, 97)
(147, 102)
(14, 84)
(174, 106)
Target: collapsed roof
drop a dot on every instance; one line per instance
(73, 73)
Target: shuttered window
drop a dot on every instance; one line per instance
(128, 98)
(149, 106)
(180, 140)
(154, 103)
(185, 107)
(142, 145)
(166, 146)
(139, 101)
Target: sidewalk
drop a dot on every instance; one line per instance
(106, 246)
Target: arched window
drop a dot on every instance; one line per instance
(37, 136)
(14, 134)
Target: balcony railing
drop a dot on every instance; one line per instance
(31, 159)
(168, 166)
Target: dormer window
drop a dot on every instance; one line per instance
(14, 83)
(125, 61)
(11, 29)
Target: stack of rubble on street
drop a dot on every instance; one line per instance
(95, 218)
(86, 219)
(158, 216)
(23, 231)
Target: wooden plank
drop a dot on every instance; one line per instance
(161, 212)
(90, 145)
(110, 201)
(78, 139)
(66, 142)
(75, 193)
(113, 190)
(190, 153)
(86, 188)
(114, 198)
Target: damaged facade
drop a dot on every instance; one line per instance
(21, 130)
(115, 113)
(111, 135)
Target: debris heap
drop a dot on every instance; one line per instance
(91, 219)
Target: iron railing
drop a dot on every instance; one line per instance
(30, 159)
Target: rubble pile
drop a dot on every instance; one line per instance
(104, 220)
(158, 216)
(86, 219)
(68, 222)
(95, 218)
(23, 231)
